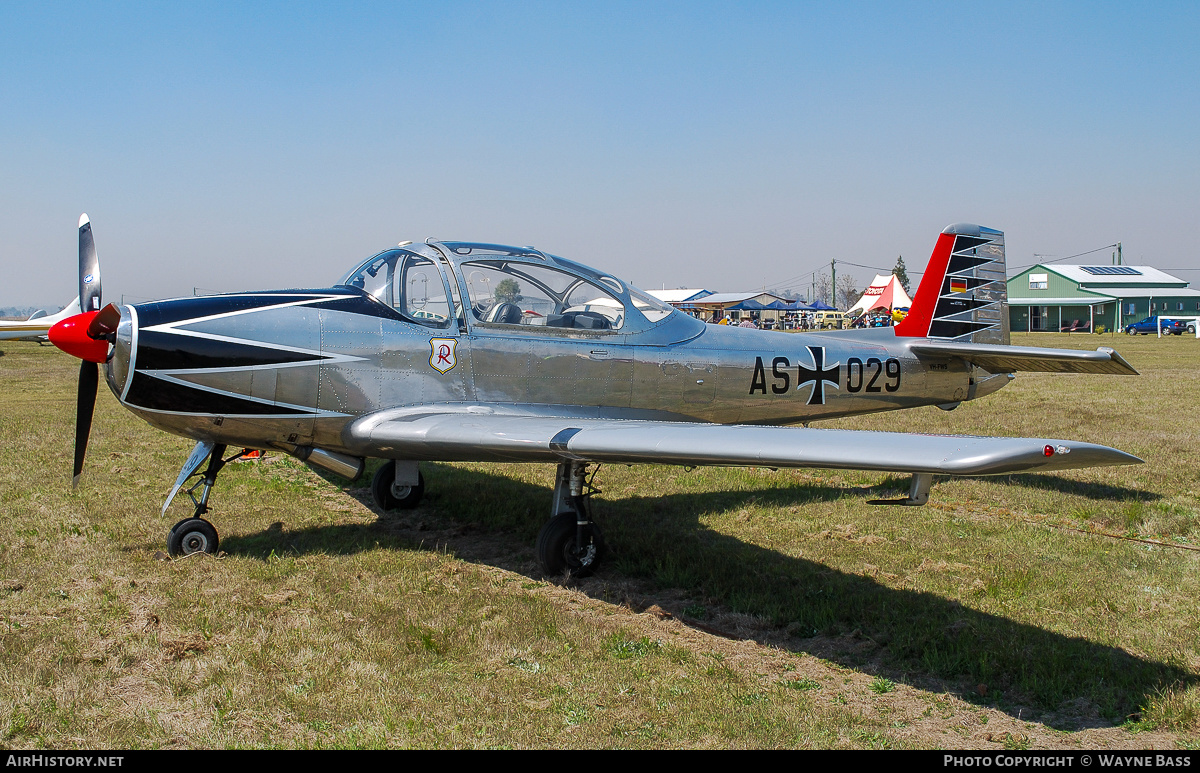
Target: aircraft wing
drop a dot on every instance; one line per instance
(11, 330)
(995, 358)
(504, 435)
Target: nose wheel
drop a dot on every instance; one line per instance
(192, 535)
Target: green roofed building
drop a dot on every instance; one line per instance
(1051, 297)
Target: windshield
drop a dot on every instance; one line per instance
(409, 283)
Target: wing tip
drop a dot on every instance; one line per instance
(1114, 356)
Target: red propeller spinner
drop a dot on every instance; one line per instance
(72, 336)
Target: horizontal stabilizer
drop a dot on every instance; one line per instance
(503, 436)
(1010, 359)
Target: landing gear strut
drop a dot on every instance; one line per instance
(918, 491)
(570, 542)
(194, 534)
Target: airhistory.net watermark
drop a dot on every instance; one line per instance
(61, 761)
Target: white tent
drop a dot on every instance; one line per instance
(885, 292)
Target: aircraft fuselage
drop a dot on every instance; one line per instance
(296, 368)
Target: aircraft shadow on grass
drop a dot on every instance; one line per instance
(929, 641)
(1066, 485)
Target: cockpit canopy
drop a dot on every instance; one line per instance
(438, 282)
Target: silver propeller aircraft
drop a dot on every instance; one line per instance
(458, 351)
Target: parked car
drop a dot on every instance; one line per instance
(1154, 324)
(830, 320)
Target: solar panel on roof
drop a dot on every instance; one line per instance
(1112, 270)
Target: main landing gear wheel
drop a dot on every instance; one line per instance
(558, 551)
(192, 535)
(389, 496)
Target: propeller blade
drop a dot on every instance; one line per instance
(85, 404)
(89, 267)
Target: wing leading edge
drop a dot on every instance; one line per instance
(505, 437)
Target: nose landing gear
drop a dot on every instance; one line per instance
(195, 534)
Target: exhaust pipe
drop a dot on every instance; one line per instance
(349, 467)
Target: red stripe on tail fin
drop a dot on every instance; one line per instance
(920, 316)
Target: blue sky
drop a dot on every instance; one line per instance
(719, 145)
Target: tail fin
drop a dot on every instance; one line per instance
(963, 295)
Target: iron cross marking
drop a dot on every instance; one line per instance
(818, 375)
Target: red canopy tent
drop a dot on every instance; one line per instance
(885, 292)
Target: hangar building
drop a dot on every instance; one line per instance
(1051, 297)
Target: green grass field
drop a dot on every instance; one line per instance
(738, 608)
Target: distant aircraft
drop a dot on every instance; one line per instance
(460, 351)
(37, 326)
